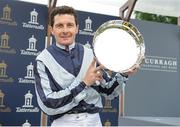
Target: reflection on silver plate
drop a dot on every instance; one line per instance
(118, 45)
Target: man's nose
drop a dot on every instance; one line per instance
(65, 29)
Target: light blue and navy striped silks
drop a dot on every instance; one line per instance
(59, 87)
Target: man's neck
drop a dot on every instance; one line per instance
(68, 47)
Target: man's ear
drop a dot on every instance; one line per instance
(77, 29)
(50, 29)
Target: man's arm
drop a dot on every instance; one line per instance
(112, 85)
(52, 97)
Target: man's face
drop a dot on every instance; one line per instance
(64, 29)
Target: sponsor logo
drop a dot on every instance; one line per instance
(88, 28)
(29, 78)
(158, 63)
(4, 44)
(27, 107)
(3, 107)
(3, 76)
(33, 23)
(31, 50)
(6, 16)
(108, 106)
(107, 123)
(26, 124)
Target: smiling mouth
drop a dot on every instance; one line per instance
(64, 37)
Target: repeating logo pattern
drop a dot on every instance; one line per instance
(107, 123)
(29, 78)
(27, 107)
(3, 107)
(33, 22)
(26, 124)
(5, 44)
(108, 106)
(87, 28)
(3, 73)
(31, 50)
(6, 18)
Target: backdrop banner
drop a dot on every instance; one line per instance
(23, 32)
(22, 36)
(153, 91)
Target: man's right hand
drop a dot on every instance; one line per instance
(93, 73)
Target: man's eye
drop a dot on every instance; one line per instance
(59, 26)
(70, 25)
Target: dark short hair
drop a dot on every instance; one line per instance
(60, 10)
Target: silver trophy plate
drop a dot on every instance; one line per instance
(118, 46)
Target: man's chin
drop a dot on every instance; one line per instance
(66, 43)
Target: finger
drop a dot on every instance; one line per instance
(93, 63)
(99, 78)
(137, 66)
(98, 73)
(133, 70)
(101, 65)
(99, 68)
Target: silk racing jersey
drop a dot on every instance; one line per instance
(59, 87)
